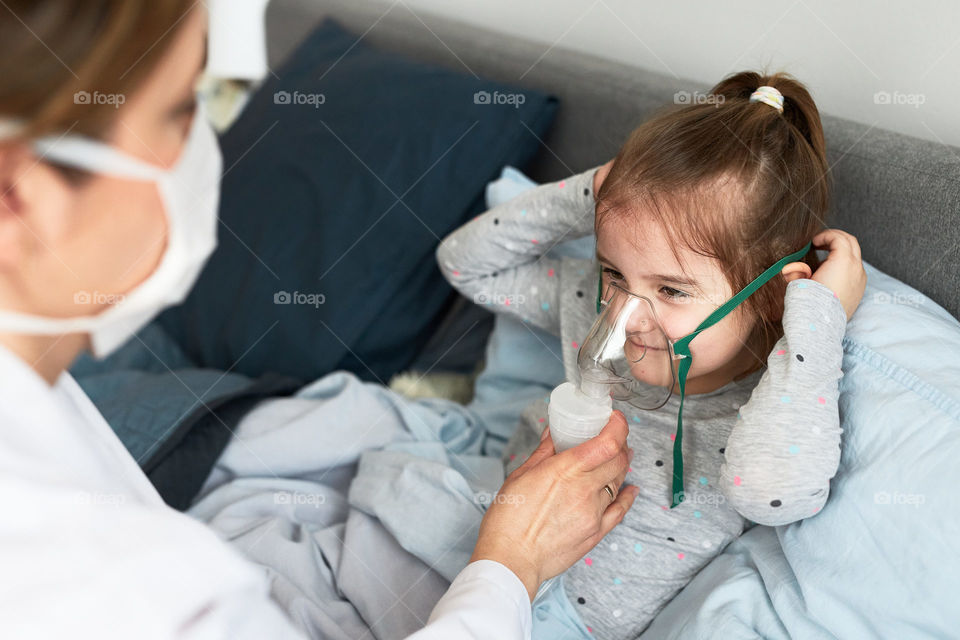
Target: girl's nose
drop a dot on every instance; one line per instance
(639, 322)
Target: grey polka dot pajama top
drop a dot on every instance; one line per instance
(761, 449)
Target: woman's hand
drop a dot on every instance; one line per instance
(842, 272)
(553, 509)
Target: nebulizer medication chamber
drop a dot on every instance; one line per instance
(575, 417)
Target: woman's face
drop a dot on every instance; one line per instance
(72, 249)
(638, 257)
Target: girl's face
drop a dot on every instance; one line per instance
(638, 256)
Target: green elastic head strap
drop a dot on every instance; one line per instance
(682, 348)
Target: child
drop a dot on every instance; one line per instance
(709, 195)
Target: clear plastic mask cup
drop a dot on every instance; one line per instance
(627, 354)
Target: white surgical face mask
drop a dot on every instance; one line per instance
(190, 192)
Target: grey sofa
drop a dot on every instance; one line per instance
(899, 195)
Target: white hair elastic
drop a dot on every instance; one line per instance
(770, 96)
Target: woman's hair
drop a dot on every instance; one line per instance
(55, 54)
(733, 180)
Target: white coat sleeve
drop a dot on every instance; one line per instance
(486, 600)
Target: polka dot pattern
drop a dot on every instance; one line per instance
(694, 522)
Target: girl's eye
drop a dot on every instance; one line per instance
(672, 293)
(613, 273)
(668, 292)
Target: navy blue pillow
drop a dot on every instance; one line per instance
(320, 267)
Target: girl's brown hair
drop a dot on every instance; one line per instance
(733, 180)
(52, 51)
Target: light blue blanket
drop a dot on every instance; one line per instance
(880, 560)
(363, 505)
(279, 494)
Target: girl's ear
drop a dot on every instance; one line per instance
(796, 270)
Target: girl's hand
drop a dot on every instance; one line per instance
(553, 509)
(842, 272)
(600, 176)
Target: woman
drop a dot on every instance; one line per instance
(108, 194)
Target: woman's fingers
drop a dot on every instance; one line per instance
(618, 508)
(613, 514)
(543, 451)
(612, 472)
(605, 451)
(564, 509)
(609, 444)
(620, 477)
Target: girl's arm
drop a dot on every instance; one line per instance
(497, 259)
(785, 446)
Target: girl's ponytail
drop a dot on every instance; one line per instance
(799, 109)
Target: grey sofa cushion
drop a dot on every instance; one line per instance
(899, 195)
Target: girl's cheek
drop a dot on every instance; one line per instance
(682, 321)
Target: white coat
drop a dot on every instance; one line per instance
(88, 549)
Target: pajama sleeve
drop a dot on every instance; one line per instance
(498, 260)
(785, 445)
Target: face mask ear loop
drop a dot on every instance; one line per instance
(682, 348)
